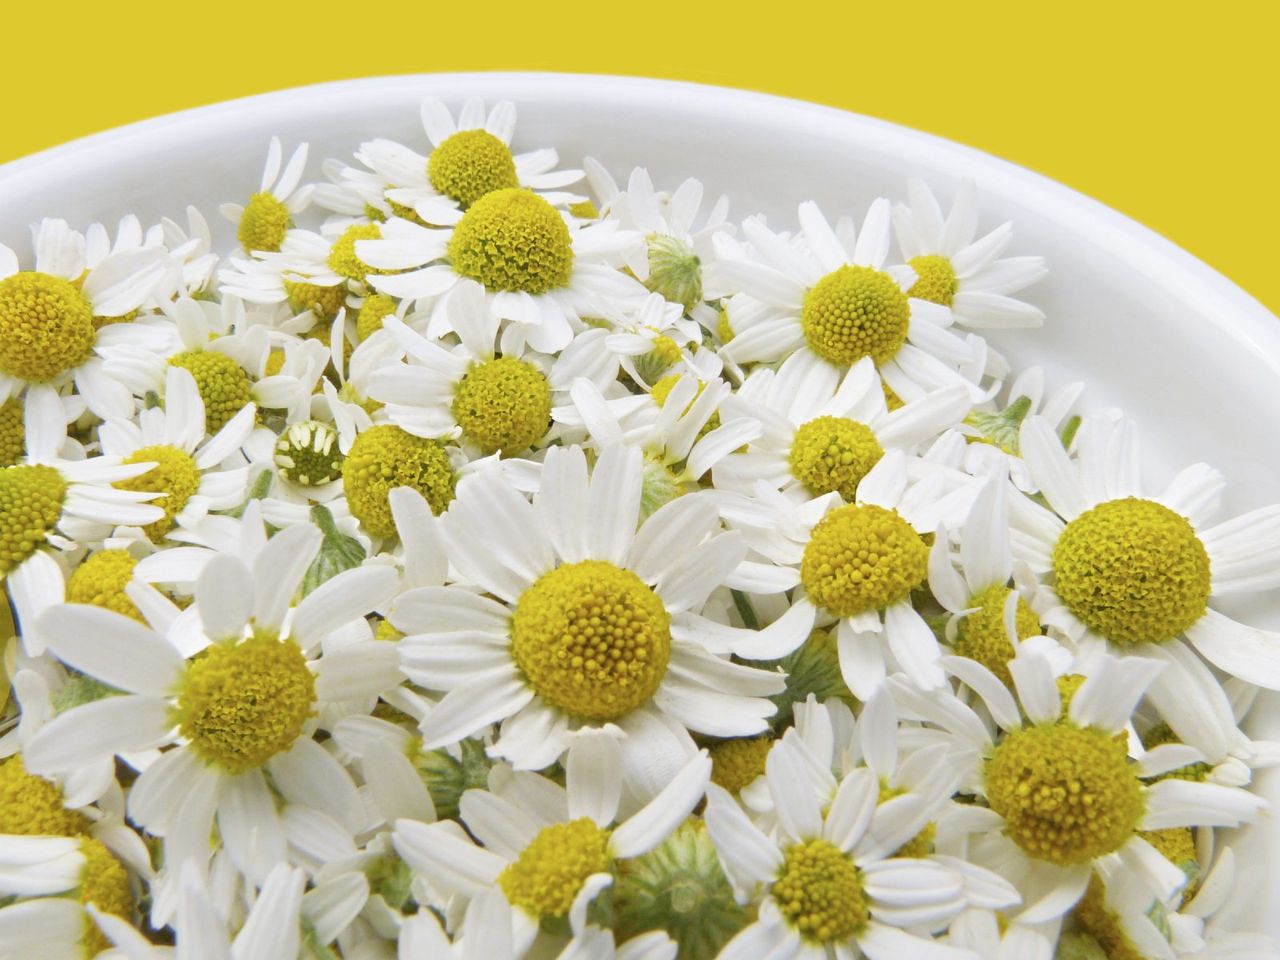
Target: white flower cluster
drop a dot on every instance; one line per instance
(490, 571)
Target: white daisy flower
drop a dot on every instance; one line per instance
(956, 268)
(192, 247)
(652, 341)
(993, 937)
(832, 886)
(310, 298)
(549, 565)
(263, 222)
(1140, 571)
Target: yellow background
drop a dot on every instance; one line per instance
(1166, 111)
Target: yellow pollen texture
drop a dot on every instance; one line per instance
(819, 891)
(263, 224)
(1100, 922)
(242, 704)
(862, 557)
(1067, 794)
(546, 877)
(32, 806)
(13, 433)
(342, 255)
(46, 326)
(855, 312)
(369, 320)
(592, 638)
(174, 476)
(385, 457)
(736, 763)
(503, 405)
(223, 385)
(935, 279)
(105, 884)
(513, 240)
(1133, 570)
(470, 164)
(100, 580)
(981, 635)
(324, 302)
(31, 497)
(833, 453)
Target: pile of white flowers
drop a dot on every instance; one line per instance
(505, 562)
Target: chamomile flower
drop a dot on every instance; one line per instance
(561, 570)
(654, 340)
(310, 298)
(831, 295)
(956, 268)
(1138, 570)
(263, 222)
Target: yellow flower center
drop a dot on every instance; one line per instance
(174, 476)
(819, 892)
(584, 210)
(1102, 924)
(342, 255)
(369, 320)
(834, 453)
(503, 405)
(263, 224)
(307, 453)
(471, 164)
(223, 386)
(100, 580)
(243, 703)
(981, 635)
(275, 362)
(46, 326)
(13, 433)
(592, 638)
(385, 457)
(1068, 794)
(1133, 570)
(860, 558)
(31, 498)
(855, 312)
(546, 877)
(674, 271)
(32, 806)
(935, 279)
(513, 240)
(105, 884)
(324, 302)
(736, 763)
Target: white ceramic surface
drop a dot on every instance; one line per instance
(1191, 357)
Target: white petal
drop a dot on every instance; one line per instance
(99, 729)
(593, 776)
(350, 595)
(278, 570)
(117, 650)
(654, 822)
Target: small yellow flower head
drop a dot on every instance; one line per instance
(1068, 794)
(546, 877)
(275, 362)
(324, 302)
(936, 279)
(513, 240)
(101, 579)
(307, 453)
(13, 433)
(32, 806)
(862, 557)
(342, 255)
(174, 476)
(584, 210)
(369, 320)
(105, 884)
(981, 635)
(819, 891)
(223, 386)
(385, 457)
(263, 224)
(471, 164)
(674, 271)
(855, 312)
(834, 453)
(1133, 570)
(31, 498)
(46, 326)
(592, 639)
(736, 763)
(242, 704)
(503, 405)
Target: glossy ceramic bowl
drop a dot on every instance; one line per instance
(1191, 357)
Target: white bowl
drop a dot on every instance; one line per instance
(1193, 358)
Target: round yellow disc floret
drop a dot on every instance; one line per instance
(935, 279)
(503, 405)
(376, 306)
(855, 312)
(242, 704)
(513, 240)
(175, 477)
(862, 557)
(46, 326)
(324, 302)
(31, 497)
(101, 579)
(263, 224)
(1133, 570)
(385, 457)
(13, 433)
(546, 877)
(833, 453)
(819, 891)
(592, 638)
(105, 884)
(1068, 794)
(223, 385)
(342, 255)
(307, 453)
(736, 763)
(471, 164)
(32, 806)
(981, 635)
